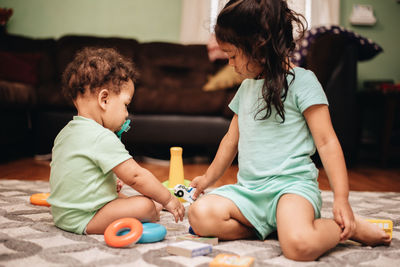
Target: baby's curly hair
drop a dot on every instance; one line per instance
(93, 67)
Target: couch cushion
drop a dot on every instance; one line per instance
(17, 43)
(19, 67)
(68, 45)
(50, 96)
(182, 102)
(49, 93)
(226, 78)
(173, 66)
(15, 94)
(171, 80)
(31, 60)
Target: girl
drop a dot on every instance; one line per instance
(281, 114)
(87, 155)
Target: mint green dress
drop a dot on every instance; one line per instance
(274, 157)
(81, 177)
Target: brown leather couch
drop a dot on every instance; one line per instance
(169, 107)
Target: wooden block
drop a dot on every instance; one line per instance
(189, 248)
(228, 260)
(196, 238)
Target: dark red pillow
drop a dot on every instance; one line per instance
(19, 67)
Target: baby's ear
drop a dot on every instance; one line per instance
(103, 98)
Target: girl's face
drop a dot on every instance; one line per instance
(242, 64)
(117, 107)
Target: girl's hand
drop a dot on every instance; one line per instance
(344, 217)
(201, 184)
(176, 208)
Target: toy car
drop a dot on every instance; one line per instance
(184, 192)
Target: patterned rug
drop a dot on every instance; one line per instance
(28, 237)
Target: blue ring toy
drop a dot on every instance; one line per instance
(152, 232)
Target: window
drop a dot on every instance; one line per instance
(198, 16)
(198, 20)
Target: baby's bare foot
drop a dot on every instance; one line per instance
(370, 234)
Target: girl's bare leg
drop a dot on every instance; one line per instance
(303, 238)
(213, 215)
(139, 207)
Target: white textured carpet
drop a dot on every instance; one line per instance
(28, 237)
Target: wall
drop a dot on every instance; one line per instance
(159, 20)
(385, 32)
(154, 20)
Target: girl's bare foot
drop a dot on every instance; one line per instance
(369, 234)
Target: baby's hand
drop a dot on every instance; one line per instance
(176, 208)
(120, 184)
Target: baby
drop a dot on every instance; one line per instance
(88, 156)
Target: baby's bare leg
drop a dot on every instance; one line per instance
(139, 207)
(301, 237)
(213, 215)
(159, 207)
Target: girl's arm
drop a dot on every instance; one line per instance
(226, 153)
(147, 184)
(330, 152)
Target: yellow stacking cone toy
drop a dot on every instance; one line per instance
(176, 167)
(176, 175)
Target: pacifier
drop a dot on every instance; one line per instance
(124, 128)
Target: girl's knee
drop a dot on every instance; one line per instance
(198, 211)
(299, 247)
(201, 217)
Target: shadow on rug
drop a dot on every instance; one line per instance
(29, 238)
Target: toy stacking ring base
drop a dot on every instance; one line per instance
(123, 232)
(152, 232)
(40, 199)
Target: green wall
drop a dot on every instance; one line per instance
(385, 32)
(145, 20)
(159, 20)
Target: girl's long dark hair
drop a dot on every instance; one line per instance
(263, 30)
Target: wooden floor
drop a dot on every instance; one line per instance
(361, 178)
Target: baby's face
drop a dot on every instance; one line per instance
(243, 66)
(117, 110)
